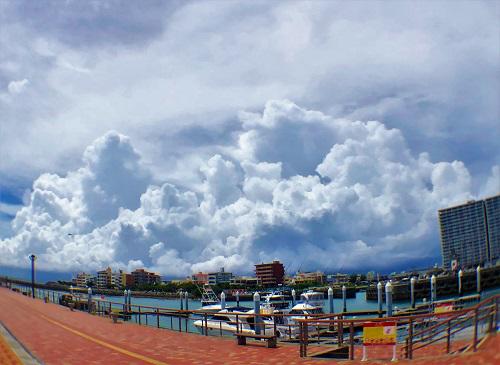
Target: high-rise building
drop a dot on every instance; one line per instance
(270, 274)
(492, 206)
(470, 232)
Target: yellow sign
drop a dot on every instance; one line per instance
(379, 333)
(443, 307)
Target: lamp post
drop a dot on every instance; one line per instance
(32, 258)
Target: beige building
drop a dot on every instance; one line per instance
(310, 277)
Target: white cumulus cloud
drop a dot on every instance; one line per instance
(298, 185)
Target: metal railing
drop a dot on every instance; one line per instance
(466, 327)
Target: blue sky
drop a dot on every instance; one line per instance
(185, 136)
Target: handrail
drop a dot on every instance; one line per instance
(448, 323)
(473, 314)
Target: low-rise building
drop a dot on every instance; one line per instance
(200, 278)
(104, 278)
(82, 279)
(337, 278)
(127, 280)
(245, 281)
(310, 277)
(142, 277)
(219, 277)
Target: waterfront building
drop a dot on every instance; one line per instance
(104, 278)
(142, 277)
(82, 279)
(219, 277)
(492, 207)
(310, 277)
(470, 233)
(337, 278)
(270, 274)
(200, 278)
(245, 281)
(127, 280)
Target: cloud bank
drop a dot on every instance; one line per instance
(299, 185)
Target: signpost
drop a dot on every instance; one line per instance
(379, 334)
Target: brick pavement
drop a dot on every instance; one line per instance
(57, 335)
(7, 355)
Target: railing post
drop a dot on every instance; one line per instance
(474, 343)
(237, 324)
(340, 330)
(495, 316)
(410, 340)
(301, 340)
(448, 337)
(274, 324)
(351, 341)
(206, 324)
(306, 338)
(157, 318)
(139, 314)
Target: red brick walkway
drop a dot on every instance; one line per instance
(58, 336)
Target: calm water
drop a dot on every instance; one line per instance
(354, 304)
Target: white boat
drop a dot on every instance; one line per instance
(224, 322)
(313, 298)
(276, 300)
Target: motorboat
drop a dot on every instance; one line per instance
(313, 298)
(276, 300)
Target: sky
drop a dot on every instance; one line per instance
(185, 136)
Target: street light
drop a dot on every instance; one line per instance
(32, 258)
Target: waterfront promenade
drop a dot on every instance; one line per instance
(56, 335)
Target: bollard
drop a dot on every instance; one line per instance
(460, 274)
(344, 298)
(181, 295)
(237, 298)
(293, 297)
(125, 301)
(129, 300)
(222, 300)
(256, 309)
(379, 298)
(433, 288)
(89, 299)
(388, 298)
(330, 299)
(186, 298)
(478, 279)
(412, 292)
